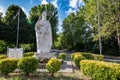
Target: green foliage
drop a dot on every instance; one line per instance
(72, 56)
(98, 57)
(76, 32)
(8, 65)
(28, 64)
(53, 65)
(77, 59)
(109, 23)
(88, 56)
(9, 31)
(28, 54)
(100, 70)
(3, 46)
(78, 56)
(3, 57)
(62, 56)
(27, 47)
(58, 41)
(75, 53)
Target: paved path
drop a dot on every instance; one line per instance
(66, 67)
(112, 60)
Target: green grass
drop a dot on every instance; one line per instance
(77, 75)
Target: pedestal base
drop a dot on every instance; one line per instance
(43, 58)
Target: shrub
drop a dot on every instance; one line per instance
(53, 65)
(100, 70)
(27, 47)
(77, 59)
(28, 54)
(76, 53)
(72, 56)
(3, 46)
(8, 65)
(88, 56)
(98, 57)
(3, 57)
(62, 56)
(28, 64)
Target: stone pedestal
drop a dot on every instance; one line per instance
(43, 58)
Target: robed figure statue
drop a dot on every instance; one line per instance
(43, 34)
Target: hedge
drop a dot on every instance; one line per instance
(3, 57)
(76, 53)
(88, 56)
(77, 59)
(28, 54)
(8, 65)
(53, 65)
(100, 70)
(62, 56)
(98, 57)
(28, 64)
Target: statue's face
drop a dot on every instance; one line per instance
(44, 13)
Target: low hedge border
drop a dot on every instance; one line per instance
(89, 56)
(100, 70)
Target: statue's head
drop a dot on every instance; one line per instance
(44, 13)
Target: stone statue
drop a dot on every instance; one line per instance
(43, 34)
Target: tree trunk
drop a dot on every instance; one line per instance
(119, 43)
(118, 38)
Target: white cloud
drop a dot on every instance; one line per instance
(2, 10)
(26, 12)
(80, 2)
(44, 2)
(73, 3)
(71, 11)
(31, 1)
(54, 2)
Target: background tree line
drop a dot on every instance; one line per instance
(80, 29)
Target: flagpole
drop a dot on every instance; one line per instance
(18, 29)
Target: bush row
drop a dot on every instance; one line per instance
(100, 70)
(88, 56)
(78, 56)
(26, 64)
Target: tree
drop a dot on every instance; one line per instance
(9, 31)
(109, 20)
(0, 16)
(75, 31)
(52, 16)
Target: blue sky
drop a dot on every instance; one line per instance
(65, 7)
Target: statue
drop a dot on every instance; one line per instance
(43, 34)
